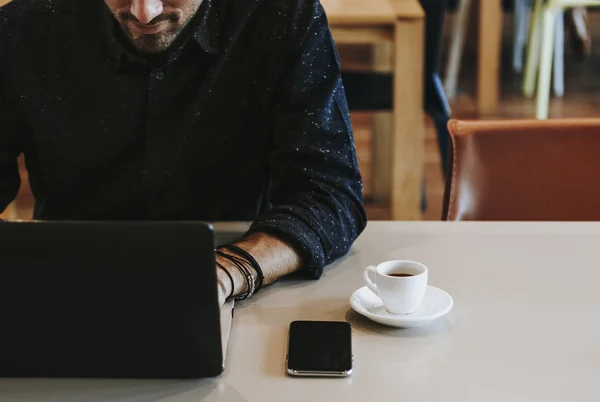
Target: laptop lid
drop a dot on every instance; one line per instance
(109, 299)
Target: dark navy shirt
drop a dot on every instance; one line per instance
(243, 118)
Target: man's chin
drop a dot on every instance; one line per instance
(151, 44)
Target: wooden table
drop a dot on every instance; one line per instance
(396, 27)
(524, 326)
(490, 43)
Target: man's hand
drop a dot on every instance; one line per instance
(222, 296)
(223, 282)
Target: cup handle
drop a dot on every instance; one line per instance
(370, 284)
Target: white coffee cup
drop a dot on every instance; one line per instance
(399, 294)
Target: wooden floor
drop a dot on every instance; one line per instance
(582, 99)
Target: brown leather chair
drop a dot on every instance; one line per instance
(524, 170)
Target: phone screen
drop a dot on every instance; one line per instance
(320, 347)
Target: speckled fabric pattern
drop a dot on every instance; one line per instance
(245, 118)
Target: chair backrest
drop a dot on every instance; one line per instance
(524, 170)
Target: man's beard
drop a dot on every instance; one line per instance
(154, 43)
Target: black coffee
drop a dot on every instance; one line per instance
(400, 275)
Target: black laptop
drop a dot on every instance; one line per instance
(110, 300)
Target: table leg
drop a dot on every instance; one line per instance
(383, 128)
(408, 145)
(490, 40)
(382, 131)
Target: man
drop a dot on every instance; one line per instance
(209, 110)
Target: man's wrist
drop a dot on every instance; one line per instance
(276, 259)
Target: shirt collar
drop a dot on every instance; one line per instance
(204, 29)
(208, 26)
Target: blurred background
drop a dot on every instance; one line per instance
(581, 96)
(455, 34)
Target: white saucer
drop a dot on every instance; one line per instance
(436, 303)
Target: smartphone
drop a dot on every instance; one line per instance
(320, 349)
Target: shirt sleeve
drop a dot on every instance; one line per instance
(9, 149)
(316, 194)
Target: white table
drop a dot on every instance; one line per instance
(525, 326)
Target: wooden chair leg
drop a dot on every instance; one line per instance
(456, 48)
(581, 40)
(548, 34)
(521, 27)
(533, 50)
(559, 55)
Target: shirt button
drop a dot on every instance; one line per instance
(159, 75)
